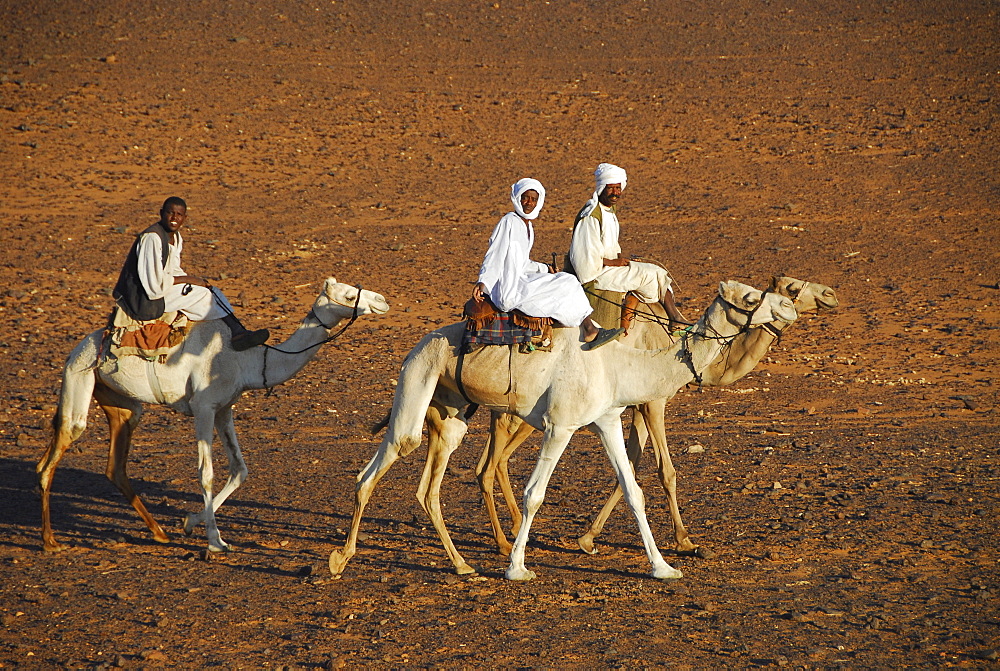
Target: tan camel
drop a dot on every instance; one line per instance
(745, 352)
(567, 389)
(202, 378)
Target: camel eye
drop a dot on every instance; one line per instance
(794, 290)
(751, 300)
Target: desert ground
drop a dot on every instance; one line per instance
(848, 488)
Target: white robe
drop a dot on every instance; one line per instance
(514, 281)
(595, 238)
(199, 304)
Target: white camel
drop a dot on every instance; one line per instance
(202, 378)
(558, 393)
(508, 432)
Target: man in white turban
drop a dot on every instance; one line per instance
(596, 255)
(512, 281)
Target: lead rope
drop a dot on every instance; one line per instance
(312, 313)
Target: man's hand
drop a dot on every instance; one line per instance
(616, 263)
(479, 292)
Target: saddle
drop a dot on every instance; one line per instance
(151, 340)
(485, 325)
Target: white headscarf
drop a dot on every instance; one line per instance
(518, 189)
(608, 173)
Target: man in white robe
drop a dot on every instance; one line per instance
(596, 255)
(512, 281)
(152, 280)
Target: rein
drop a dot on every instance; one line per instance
(312, 313)
(727, 341)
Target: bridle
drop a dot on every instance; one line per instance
(312, 314)
(727, 341)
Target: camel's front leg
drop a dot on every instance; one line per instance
(123, 416)
(636, 442)
(553, 445)
(507, 432)
(444, 436)
(204, 425)
(226, 430)
(609, 430)
(653, 413)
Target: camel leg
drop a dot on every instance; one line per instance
(388, 453)
(653, 413)
(226, 430)
(123, 416)
(503, 474)
(609, 430)
(445, 435)
(68, 424)
(414, 394)
(553, 445)
(507, 432)
(636, 441)
(204, 429)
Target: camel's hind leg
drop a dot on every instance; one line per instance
(238, 471)
(507, 433)
(388, 453)
(123, 416)
(444, 436)
(68, 424)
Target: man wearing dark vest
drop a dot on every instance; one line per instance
(152, 281)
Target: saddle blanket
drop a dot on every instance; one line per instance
(151, 339)
(485, 325)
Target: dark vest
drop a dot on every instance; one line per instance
(129, 293)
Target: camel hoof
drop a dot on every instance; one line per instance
(519, 574)
(703, 552)
(337, 562)
(54, 548)
(161, 537)
(586, 544)
(465, 569)
(504, 550)
(667, 572)
(190, 522)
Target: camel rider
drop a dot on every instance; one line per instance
(152, 281)
(512, 281)
(595, 254)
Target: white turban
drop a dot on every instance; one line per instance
(518, 189)
(608, 173)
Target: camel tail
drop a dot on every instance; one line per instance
(381, 424)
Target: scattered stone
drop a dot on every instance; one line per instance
(695, 449)
(23, 440)
(306, 570)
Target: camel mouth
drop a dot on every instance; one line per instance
(827, 304)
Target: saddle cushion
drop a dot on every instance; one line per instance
(485, 325)
(149, 339)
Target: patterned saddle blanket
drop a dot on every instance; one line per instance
(485, 325)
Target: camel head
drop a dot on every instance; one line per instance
(337, 302)
(807, 296)
(762, 308)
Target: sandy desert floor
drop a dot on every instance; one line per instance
(849, 144)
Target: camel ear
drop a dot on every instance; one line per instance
(775, 280)
(328, 285)
(729, 291)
